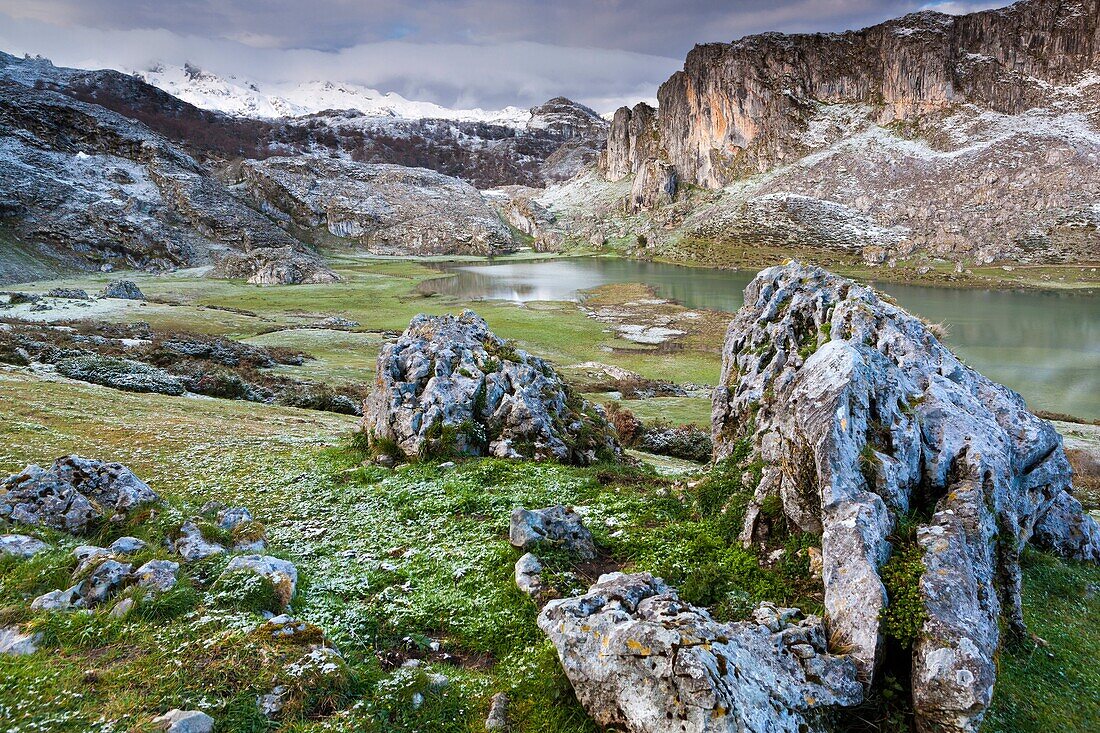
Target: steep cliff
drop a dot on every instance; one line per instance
(972, 137)
(631, 141)
(741, 108)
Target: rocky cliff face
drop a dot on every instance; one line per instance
(631, 141)
(107, 191)
(386, 209)
(740, 108)
(970, 137)
(874, 435)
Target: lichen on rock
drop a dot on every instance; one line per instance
(642, 660)
(449, 386)
(866, 424)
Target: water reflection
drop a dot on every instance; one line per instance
(1046, 345)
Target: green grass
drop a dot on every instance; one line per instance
(1056, 688)
(382, 296)
(390, 561)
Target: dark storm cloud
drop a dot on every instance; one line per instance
(488, 52)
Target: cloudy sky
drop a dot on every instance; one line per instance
(487, 53)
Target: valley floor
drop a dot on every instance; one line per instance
(398, 565)
(409, 571)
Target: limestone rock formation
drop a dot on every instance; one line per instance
(386, 209)
(74, 494)
(641, 660)
(449, 385)
(632, 140)
(862, 419)
(557, 526)
(972, 136)
(124, 289)
(734, 107)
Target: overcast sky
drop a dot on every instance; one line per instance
(487, 53)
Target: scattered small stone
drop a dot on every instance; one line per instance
(230, 518)
(282, 573)
(185, 721)
(15, 642)
(127, 545)
(87, 556)
(556, 525)
(497, 719)
(158, 575)
(817, 563)
(103, 582)
(273, 702)
(20, 545)
(122, 608)
(56, 600)
(192, 546)
(528, 575)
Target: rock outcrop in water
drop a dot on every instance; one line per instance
(867, 426)
(449, 386)
(643, 661)
(386, 209)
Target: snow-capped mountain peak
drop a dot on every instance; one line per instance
(243, 97)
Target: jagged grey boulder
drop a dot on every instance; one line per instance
(559, 526)
(15, 642)
(73, 494)
(643, 661)
(449, 385)
(157, 575)
(192, 546)
(20, 545)
(184, 721)
(859, 416)
(123, 290)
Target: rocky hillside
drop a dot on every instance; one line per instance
(104, 191)
(972, 136)
(551, 142)
(385, 209)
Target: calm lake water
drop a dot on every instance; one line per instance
(1045, 345)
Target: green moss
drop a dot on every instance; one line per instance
(246, 590)
(904, 614)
